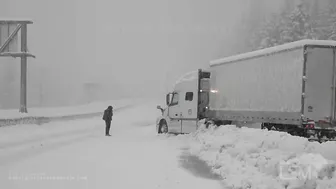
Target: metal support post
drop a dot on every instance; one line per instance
(23, 89)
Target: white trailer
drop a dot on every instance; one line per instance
(290, 88)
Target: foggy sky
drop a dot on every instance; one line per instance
(132, 48)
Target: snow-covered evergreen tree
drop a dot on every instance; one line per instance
(331, 31)
(269, 33)
(325, 26)
(315, 14)
(309, 19)
(298, 26)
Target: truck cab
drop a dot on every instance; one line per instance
(186, 104)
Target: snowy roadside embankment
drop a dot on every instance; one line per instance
(45, 115)
(260, 159)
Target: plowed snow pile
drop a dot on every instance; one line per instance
(260, 159)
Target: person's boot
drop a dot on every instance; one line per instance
(108, 135)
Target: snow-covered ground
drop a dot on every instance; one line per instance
(71, 110)
(76, 154)
(255, 158)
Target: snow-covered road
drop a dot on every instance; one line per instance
(76, 154)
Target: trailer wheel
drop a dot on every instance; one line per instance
(163, 127)
(294, 133)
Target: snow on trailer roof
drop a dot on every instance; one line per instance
(271, 50)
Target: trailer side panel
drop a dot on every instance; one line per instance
(259, 89)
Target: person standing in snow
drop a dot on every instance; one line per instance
(107, 117)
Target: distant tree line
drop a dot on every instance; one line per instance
(296, 20)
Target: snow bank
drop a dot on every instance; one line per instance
(254, 158)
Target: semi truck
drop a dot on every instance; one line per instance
(288, 88)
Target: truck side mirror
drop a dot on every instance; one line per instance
(159, 107)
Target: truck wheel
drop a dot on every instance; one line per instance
(163, 128)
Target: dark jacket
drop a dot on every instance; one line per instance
(108, 113)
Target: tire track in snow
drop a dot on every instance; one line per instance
(50, 135)
(37, 150)
(20, 150)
